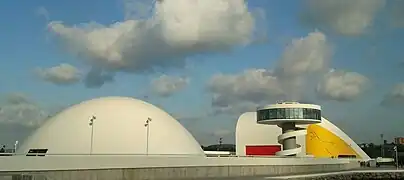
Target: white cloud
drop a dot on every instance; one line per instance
(304, 57)
(346, 17)
(176, 29)
(63, 74)
(395, 96)
(342, 85)
(96, 78)
(18, 109)
(240, 92)
(168, 85)
(16, 98)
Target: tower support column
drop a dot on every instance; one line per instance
(289, 143)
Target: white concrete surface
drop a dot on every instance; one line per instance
(26, 163)
(118, 128)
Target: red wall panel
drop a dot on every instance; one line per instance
(262, 150)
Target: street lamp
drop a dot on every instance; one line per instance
(147, 125)
(396, 151)
(382, 146)
(91, 123)
(15, 146)
(220, 144)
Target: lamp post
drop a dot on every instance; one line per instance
(382, 146)
(92, 120)
(15, 146)
(220, 144)
(396, 151)
(147, 125)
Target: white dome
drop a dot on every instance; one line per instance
(119, 128)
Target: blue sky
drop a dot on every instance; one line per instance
(375, 53)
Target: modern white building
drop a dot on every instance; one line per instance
(113, 125)
(125, 138)
(127, 126)
(260, 133)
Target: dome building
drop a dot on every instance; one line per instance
(113, 125)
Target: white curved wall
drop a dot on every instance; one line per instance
(119, 128)
(249, 132)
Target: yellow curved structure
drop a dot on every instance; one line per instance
(325, 140)
(322, 143)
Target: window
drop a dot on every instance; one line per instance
(272, 114)
(300, 113)
(263, 114)
(316, 114)
(308, 114)
(346, 156)
(292, 113)
(289, 113)
(281, 113)
(37, 152)
(296, 113)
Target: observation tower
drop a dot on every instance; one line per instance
(287, 115)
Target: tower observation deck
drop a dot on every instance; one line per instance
(287, 115)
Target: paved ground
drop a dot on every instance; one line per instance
(380, 169)
(335, 173)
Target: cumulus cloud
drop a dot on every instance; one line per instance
(96, 78)
(165, 85)
(341, 85)
(19, 109)
(63, 74)
(346, 17)
(176, 29)
(395, 96)
(304, 57)
(238, 92)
